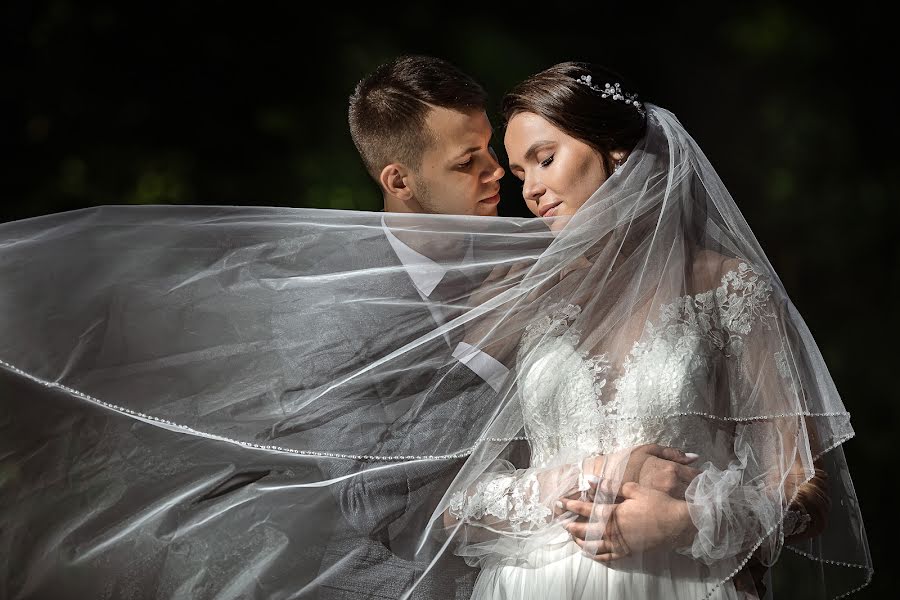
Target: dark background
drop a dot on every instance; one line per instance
(201, 103)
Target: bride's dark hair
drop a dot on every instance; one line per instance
(557, 95)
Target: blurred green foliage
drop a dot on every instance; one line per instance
(197, 103)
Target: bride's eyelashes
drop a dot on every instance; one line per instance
(547, 161)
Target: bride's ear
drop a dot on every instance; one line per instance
(619, 155)
(393, 179)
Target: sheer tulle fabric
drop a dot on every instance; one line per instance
(285, 403)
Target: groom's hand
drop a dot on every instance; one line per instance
(655, 467)
(667, 471)
(644, 520)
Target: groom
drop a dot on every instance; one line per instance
(422, 131)
(423, 134)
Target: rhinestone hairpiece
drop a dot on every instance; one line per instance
(612, 90)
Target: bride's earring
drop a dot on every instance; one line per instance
(618, 165)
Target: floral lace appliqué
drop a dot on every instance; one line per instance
(569, 400)
(515, 501)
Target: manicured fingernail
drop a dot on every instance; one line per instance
(691, 455)
(559, 504)
(593, 479)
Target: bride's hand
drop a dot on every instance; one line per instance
(645, 520)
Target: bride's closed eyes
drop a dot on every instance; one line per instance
(559, 172)
(520, 174)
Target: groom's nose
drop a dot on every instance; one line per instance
(495, 174)
(495, 171)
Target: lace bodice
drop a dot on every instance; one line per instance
(576, 403)
(574, 400)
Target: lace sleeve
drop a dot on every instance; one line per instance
(515, 501)
(508, 512)
(744, 507)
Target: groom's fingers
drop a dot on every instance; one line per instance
(585, 531)
(595, 512)
(687, 474)
(600, 550)
(605, 558)
(578, 507)
(677, 491)
(668, 477)
(601, 495)
(674, 482)
(605, 553)
(603, 487)
(629, 490)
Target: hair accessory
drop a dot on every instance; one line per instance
(612, 90)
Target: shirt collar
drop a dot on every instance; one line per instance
(424, 272)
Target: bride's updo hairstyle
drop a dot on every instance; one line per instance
(585, 101)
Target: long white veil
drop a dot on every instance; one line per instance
(271, 402)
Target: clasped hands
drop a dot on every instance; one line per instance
(646, 512)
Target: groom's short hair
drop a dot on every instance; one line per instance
(388, 108)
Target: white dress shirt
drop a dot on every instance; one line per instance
(426, 275)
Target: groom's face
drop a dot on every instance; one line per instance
(459, 174)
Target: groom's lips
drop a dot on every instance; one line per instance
(493, 199)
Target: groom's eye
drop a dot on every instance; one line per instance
(465, 164)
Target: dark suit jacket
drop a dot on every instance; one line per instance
(371, 553)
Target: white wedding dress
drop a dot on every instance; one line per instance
(572, 400)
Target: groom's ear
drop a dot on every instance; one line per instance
(393, 179)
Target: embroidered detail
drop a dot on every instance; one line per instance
(507, 498)
(571, 401)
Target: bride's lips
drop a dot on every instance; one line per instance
(550, 209)
(492, 200)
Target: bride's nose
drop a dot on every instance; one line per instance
(533, 190)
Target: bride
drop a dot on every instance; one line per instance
(667, 327)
